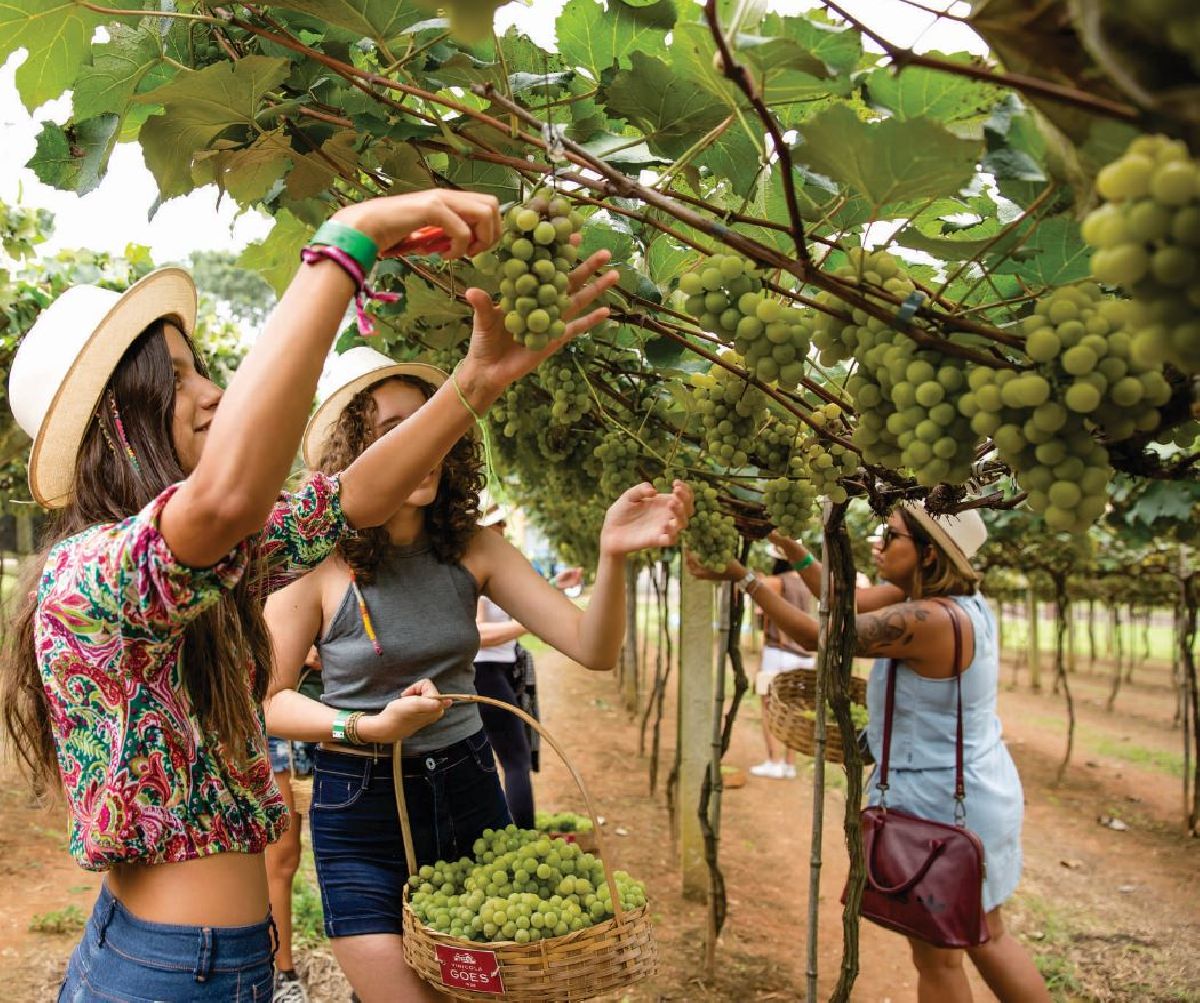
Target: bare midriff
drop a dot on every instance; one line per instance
(227, 889)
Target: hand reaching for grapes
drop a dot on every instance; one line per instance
(642, 518)
(793, 550)
(733, 571)
(499, 359)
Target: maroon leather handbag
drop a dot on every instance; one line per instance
(924, 878)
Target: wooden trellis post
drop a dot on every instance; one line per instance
(696, 650)
(1035, 655)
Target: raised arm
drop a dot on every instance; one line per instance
(867, 599)
(257, 427)
(639, 519)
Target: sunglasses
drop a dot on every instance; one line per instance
(887, 534)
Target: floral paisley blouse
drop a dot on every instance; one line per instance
(144, 782)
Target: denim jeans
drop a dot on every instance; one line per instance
(506, 732)
(452, 795)
(123, 959)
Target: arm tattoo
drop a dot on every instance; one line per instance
(889, 629)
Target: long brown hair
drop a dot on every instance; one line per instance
(451, 519)
(941, 576)
(221, 646)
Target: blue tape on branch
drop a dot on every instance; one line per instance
(908, 309)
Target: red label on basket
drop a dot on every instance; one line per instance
(464, 968)
(567, 837)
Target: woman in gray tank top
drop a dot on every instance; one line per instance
(921, 557)
(395, 609)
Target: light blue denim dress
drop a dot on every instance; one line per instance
(921, 772)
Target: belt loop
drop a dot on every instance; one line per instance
(106, 917)
(204, 957)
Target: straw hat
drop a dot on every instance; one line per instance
(344, 377)
(65, 361)
(959, 535)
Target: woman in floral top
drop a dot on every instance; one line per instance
(139, 659)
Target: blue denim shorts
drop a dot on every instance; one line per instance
(452, 795)
(302, 752)
(123, 959)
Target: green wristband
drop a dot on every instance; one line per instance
(804, 562)
(354, 242)
(338, 729)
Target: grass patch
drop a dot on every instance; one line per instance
(1138, 755)
(69, 919)
(308, 918)
(1048, 936)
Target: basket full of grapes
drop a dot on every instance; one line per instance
(792, 713)
(528, 916)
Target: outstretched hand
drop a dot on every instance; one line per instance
(497, 356)
(643, 517)
(731, 573)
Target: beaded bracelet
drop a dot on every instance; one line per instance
(804, 562)
(352, 721)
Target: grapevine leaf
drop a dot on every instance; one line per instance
(432, 307)
(918, 92)
(596, 39)
(275, 258)
(55, 35)
(480, 176)
(1059, 255)
(604, 230)
(75, 157)
(131, 61)
(735, 156)
(614, 149)
(198, 107)
(666, 260)
(886, 162)
(838, 48)
(249, 173)
(662, 352)
(377, 19)
(670, 109)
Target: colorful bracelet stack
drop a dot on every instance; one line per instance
(804, 562)
(345, 727)
(355, 253)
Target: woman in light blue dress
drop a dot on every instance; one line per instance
(922, 557)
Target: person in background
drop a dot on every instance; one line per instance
(283, 857)
(780, 653)
(504, 671)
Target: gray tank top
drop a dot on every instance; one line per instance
(423, 613)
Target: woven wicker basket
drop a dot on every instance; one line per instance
(794, 692)
(580, 965)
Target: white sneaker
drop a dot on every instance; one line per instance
(789, 771)
(289, 991)
(768, 769)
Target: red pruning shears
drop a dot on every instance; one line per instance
(424, 240)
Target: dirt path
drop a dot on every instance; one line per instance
(1108, 911)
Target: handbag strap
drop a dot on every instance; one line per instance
(890, 706)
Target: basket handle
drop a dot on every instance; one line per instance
(402, 808)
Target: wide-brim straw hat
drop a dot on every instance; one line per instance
(960, 535)
(344, 378)
(65, 361)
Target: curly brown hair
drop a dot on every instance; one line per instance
(450, 520)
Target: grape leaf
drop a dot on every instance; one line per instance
(838, 48)
(886, 162)
(131, 61)
(917, 91)
(596, 39)
(55, 34)
(74, 157)
(671, 110)
(667, 260)
(199, 106)
(1058, 255)
(735, 156)
(248, 173)
(377, 19)
(275, 258)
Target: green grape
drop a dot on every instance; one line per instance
(730, 411)
(710, 534)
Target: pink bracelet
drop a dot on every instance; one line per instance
(327, 252)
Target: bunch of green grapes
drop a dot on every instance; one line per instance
(824, 462)
(1147, 236)
(837, 337)
(534, 259)
(615, 464)
(858, 715)
(775, 444)
(1047, 445)
(710, 534)
(731, 411)
(520, 886)
(1083, 343)
(562, 821)
(567, 386)
(789, 499)
(726, 297)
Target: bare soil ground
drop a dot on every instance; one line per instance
(1110, 912)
